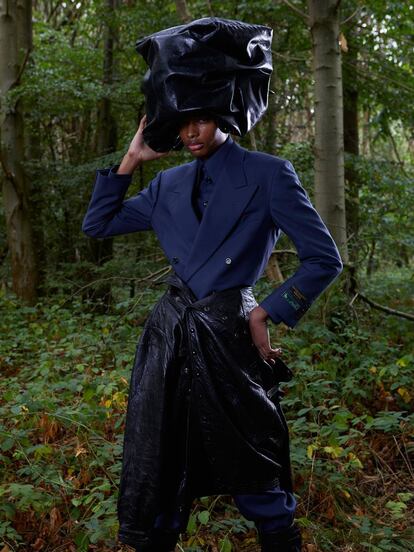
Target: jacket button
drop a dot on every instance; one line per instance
(175, 259)
(228, 260)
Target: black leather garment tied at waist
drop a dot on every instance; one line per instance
(203, 414)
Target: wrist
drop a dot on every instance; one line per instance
(258, 313)
(130, 162)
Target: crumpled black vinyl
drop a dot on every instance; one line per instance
(200, 419)
(220, 66)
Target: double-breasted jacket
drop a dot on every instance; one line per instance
(256, 197)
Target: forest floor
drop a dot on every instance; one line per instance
(65, 374)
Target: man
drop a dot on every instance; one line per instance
(217, 219)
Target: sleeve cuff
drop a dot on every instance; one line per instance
(274, 317)
(286, 304)
(120, 177)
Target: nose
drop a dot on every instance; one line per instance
(191, 130)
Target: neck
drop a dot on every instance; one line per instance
(210, 153)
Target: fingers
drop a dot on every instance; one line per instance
(273, 354)
(268, 353)
(142, 124)
(260, 337)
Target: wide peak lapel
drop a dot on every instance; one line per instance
(180, 204)
(231, 194)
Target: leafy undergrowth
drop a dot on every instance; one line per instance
(65, 373)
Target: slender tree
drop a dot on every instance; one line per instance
(107, 129)
(329, 141)
(15, 47)
(102, 250)
(351, 136)
(183, 11)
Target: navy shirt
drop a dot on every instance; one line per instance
(208, 171)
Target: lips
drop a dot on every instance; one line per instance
(195, 147)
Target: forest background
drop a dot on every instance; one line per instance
(72, 307)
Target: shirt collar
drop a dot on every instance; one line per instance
(214, 164)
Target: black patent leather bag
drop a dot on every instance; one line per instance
(214, 65)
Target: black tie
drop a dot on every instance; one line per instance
(196, 189)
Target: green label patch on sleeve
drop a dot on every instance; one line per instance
(290, 298)
(296, 300)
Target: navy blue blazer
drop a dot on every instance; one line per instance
(256, 196)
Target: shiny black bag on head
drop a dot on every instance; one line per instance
(218, 66)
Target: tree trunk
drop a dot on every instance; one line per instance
(366, 138)
(37, 201)
(33, 153)
(107, 129)
(273, 271)
(329, 148)
(101, 251)
(351, 143)
(15, 46)
(371, 256)
(182, 11)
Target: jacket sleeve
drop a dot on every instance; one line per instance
(320, 262)
(108, 214)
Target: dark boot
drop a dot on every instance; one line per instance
(162, 540)
(284, 540)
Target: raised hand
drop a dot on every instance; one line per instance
(138, 151)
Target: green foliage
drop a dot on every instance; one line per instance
(349, 407)
(66, 362)
(386, 227)
(64, 390)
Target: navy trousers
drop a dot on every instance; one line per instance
(270, 510)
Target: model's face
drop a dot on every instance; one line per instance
(201, 136)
